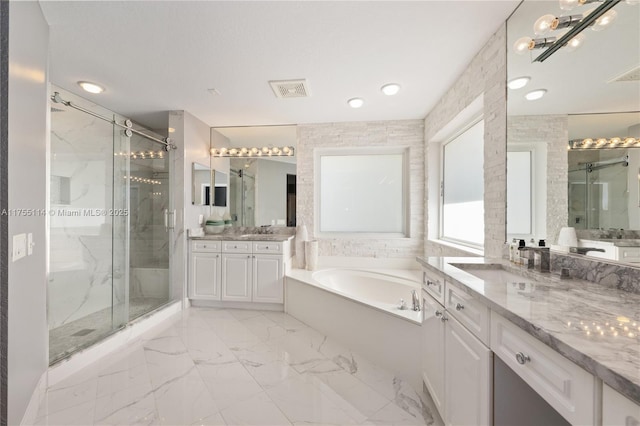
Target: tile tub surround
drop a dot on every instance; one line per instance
(556, 312)
(223, 366)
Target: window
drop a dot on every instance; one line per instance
(462, 207)
(361, 191)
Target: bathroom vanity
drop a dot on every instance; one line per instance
(239, 271)
(573, 342)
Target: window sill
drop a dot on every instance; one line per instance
(470, 250)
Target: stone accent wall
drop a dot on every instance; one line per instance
(554, 131)
(409, 133)
(486, 75)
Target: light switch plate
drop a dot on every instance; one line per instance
(30, 244)
(19, 246)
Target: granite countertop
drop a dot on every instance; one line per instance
(594, 326)
(244, 237)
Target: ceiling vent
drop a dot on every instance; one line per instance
(290, 88)
(632, 75)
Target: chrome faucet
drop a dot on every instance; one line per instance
(416, 300)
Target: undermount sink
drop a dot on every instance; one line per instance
(493, 273)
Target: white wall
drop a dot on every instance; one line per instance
(218, 140)
(271, 190)
(28, 147)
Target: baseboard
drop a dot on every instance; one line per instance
(237, 305)
(113, 343)
(31, 413)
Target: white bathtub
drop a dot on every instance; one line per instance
(359, 308)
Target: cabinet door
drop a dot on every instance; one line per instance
(618, 409)
(204, 279)
(433, 350)
(468, 374)
(268, 279)
(236, 277)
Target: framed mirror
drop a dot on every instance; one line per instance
(261, 182)
(201, 184)
(573, 128)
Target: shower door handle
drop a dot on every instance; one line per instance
(172, 222)
(166, 220)
(169, 219)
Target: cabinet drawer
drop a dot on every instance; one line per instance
(271, 247)
(472, 313)
(617, 409)
(629, 254)
(206, 246)
(433, 283)
(236, 246)
(565, 386)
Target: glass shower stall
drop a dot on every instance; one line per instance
(110, 212)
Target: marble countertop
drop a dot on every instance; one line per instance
(594, 326)
(244, 237)
(624, 242)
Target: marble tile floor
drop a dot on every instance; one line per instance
(235, 367)
(63, 340)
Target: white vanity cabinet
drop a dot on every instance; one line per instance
(618, 410)
(204, 270)
(457, 366)
(238, 272)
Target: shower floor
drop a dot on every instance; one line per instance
(78, 334)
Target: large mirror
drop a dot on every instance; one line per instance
(262, 179)
(201, 179)
(573, 125)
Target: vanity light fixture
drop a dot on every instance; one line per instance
(598, 19)
(390, 89)
(535, 94)
(604, 143)
(91, 87)
(285, 151)
(355, 102)
(518, 83)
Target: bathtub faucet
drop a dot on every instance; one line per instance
(416, 300)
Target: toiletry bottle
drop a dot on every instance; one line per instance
(521, 253)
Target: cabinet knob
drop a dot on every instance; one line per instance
(522, 358)
(430, 282)
(438, 313)
(443, 318)
(235, 246)
(459, 306)
(248, 257)
(205, 246)
(217, 255)
(267, 247)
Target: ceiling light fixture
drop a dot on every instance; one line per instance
(91, 87)
(518, 83)
(355, 102)
(535, 94)
(286, 151)
(390, 89)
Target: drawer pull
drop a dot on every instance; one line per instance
(443, 318)
(267, 247)
(438, 313)
(430, 283)
(459, 306)
(522, 358)
(205, 246)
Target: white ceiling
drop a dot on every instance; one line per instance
(158, 56)
(576, 82)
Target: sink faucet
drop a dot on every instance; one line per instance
(545, 257)
(416, 300)
(584, 250)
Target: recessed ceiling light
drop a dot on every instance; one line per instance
(535, 94)
(518, 83)
(91, 87)
(390, 89)
(355, 102)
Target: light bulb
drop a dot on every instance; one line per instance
(543, 24)
(568, 4)
(244, 150)
(604, 21)
(286, 149)
(265, 149)
(575, 42)
(518, 83)
(615, 141)
(587, 142)
(535, 94)
(629, 141)
(601, 141)
(255, 150)
(522, 45)
(223, 150)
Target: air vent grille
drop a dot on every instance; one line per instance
(632, 75)
(290, 88)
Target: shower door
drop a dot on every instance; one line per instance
(151, 222)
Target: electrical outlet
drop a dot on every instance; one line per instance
(19, 246)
